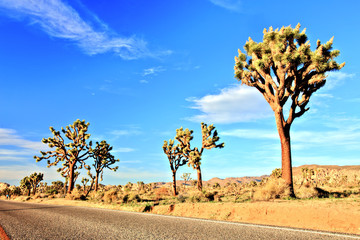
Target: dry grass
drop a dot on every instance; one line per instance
(274, 188)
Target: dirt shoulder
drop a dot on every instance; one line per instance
(335, 215)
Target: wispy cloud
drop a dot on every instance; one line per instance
(123, 150)
(336, 79)
(153, 70)
(126, 132)
(144, 81)
(58, 19)
(12, 174)
(9, 137)
(342, 132)
(232, 5)
(233, 104)
(251, 134)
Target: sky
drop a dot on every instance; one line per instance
(137, 70)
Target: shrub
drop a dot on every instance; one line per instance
(196, 197)
(181, 198)
(110, 196)
(274, 188)
(210, 196)
(134, 198)
(125, 198)
(52, 191)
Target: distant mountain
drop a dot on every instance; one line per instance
(296, 172)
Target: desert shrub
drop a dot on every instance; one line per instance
(217, 197)
(134, 198)
(274, 188)
(52, 191)
(306, 192)
(210, 196)
(110, 196)
(161, 192)
(74, 195)
(181, 198)
(96, 196)
(125, 198)
(40, 195)
(196, 197)
(276, 173)
(148, 207)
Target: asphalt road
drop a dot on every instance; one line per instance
(40, 221)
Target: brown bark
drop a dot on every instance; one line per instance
(199, 181)
(174, 182)
(96, 182)
(71, 177)
(286, 165)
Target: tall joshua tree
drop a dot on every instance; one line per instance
(193, 156)
(176, 159)
(103, 159)
(282, 68)
(72, 154)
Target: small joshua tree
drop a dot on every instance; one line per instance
(193, 156)
(176, 159)
(35, 180)
(103, 159)
(26, 185)
(31, 182)
(73, 154)
(282, 68)
(186, 177)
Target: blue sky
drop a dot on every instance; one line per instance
(138, 70)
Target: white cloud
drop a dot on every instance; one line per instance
(9, 137)
(125, 132)
(123, 150)
(237, 103)
(144, 81)
(335, 79)
(15, 173)
(60, 20)
(232, 5)
(251, 134)
(153, 70)
(344, 133)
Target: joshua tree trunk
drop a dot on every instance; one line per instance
(199, 181)
(96, 182)
(71, 178)
(286, 165)
(174, 182)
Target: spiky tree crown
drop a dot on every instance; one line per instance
(174, 154)
(68, 153)
(209, 140)
(285, 55)
(103, 158)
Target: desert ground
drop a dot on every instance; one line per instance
(328, 199)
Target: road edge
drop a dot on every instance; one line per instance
(3, 235)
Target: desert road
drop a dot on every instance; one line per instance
(40, 221)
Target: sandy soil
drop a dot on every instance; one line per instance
(326, 215)
(335, 215)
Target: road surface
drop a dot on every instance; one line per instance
(40, 221)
